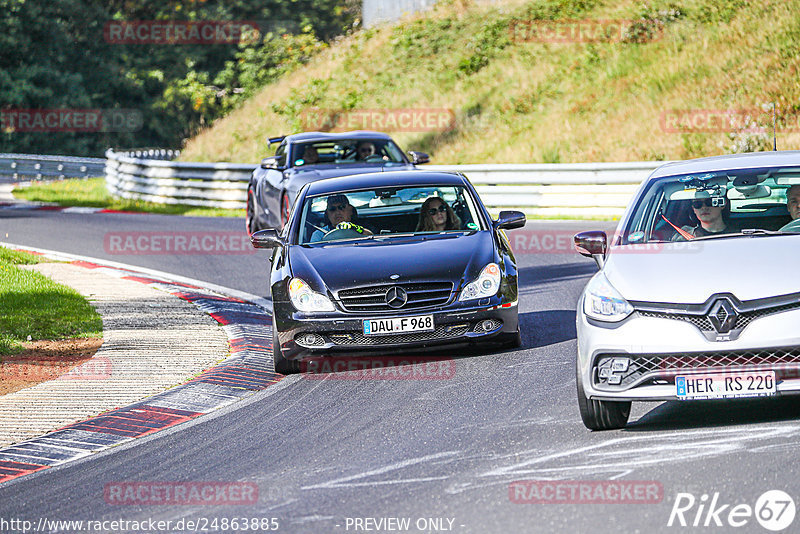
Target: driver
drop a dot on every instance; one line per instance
(310, 155)
(793, 201)
(338, 210)
(709, 219)
(365, 149)
(793, 205)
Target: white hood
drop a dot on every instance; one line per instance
(689, 273)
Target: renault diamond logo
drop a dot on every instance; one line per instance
(723, 316)
(396, 297)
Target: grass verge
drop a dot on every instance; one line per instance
(33, 305)
(92, 193)
(519, 98)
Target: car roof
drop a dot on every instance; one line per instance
(784, 158)
(384, 179)
(327, 136)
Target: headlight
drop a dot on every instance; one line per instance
(603, 302)
(306, 300)
(486, 284)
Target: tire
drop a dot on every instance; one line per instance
(282, 365)
(601, 415)
(250, 217)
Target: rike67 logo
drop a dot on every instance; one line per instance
(774, 510)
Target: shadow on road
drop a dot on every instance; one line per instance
(548, 274)
(547, 327)
(677, 415)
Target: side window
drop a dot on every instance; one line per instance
(280, 154)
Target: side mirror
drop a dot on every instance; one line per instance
(269, 163)
(592, 244)
(418, 158)
(508, 220)
(268, 238)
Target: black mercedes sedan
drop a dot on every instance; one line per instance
(387, 261)
(305, 157)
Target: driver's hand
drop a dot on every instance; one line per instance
(348, 226)
(345, 225)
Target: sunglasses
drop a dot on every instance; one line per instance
(707, 202)
(340, 207)
(440, 209)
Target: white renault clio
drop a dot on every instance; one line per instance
(698, 294)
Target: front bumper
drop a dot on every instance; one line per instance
(343, 332)
(659, 349)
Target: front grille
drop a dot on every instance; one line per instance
(784, 360)
(373, 299)
(703, 323)
(441, 332)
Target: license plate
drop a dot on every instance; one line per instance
(398, 325)
(725, 385)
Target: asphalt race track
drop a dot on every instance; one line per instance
(337, 455)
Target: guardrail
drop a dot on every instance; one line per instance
(555, 189)
(220, 185)
(21, 167)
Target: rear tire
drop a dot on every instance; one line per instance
(282, 365)
(601, 415)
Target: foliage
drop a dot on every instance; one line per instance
(55, 56)
(525, 101)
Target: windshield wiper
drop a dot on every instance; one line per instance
(745, 232)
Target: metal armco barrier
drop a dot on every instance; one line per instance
(134, 175)
(557, 189)
(23, 167)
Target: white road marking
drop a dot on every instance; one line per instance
(345, 482)
(261, 302)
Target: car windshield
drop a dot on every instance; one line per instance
(388, 212)
(732, 203)
(348, 151)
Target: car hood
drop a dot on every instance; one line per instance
(748, 267)
(362, 263)
(318, 172)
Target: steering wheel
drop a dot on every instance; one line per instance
(793, 226)
(346, 230)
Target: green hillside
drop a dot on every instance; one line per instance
(520, 99)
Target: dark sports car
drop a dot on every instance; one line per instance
(387, 261)
(311, 156)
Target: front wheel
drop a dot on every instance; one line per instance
(601, 415)
(282, 365)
